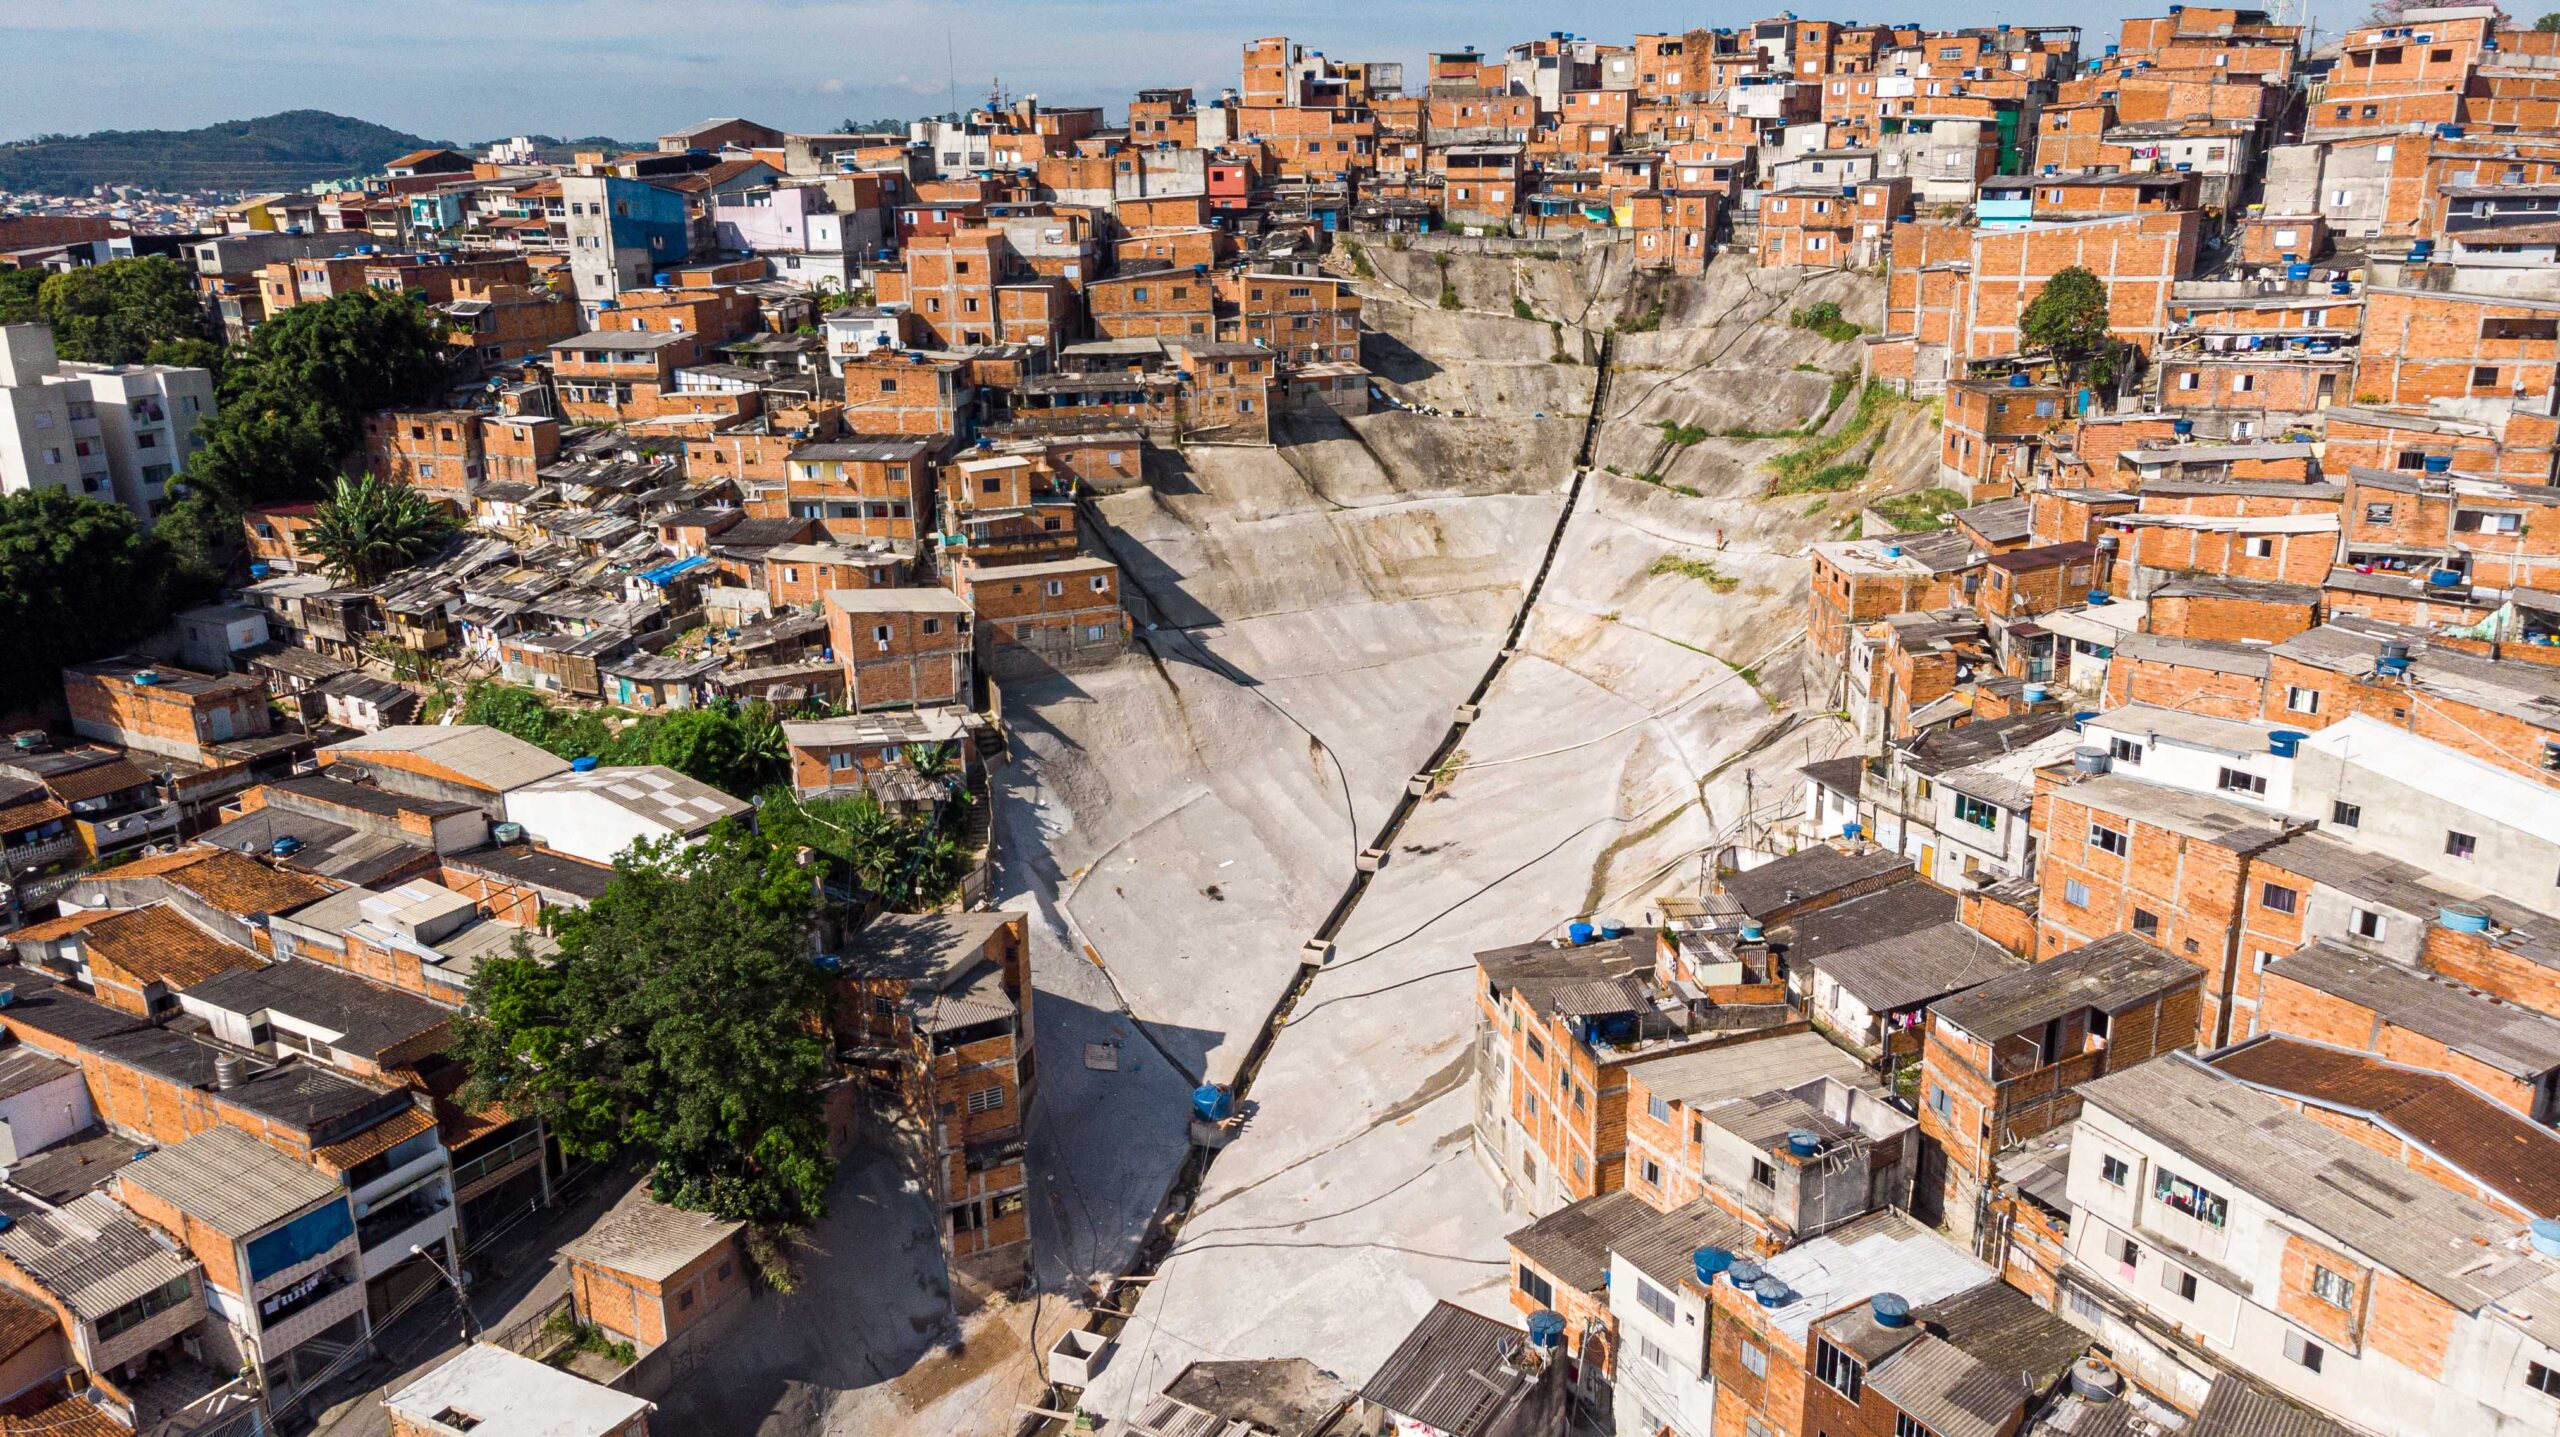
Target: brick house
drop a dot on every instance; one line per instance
(1063, 613)
(136, 703)
(648, 1273)
(2001, 1063)
(935, 1011)
(902, 648)
(863, 489)
(438, 452)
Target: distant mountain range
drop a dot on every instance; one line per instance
(276, 152)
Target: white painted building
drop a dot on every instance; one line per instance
(2212, 1227)
(2236, 759)
(598, 813)
(117, 433)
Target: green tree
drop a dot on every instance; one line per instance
(78, 579)
(18, 289)
(293, 401)
(368, 530)
(2068, 320)
(114, 313)
(682, 1019)
(2548, 24)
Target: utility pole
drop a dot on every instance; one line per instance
(461, 1296)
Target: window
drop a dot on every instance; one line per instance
(2277, 899)
(1054, 587)
(2128, 1254)
(2365, 923)
(2179, 1195)
(1653, 1356)
(2301, 700)
(1906, 1425)
(1537, 1049)
(2350, 815)
(1659, 1108)
(2109, 840)
(1538, 1289)
(2189, 379)
(2261, 546)
(1763, 1175)
(2243, 383)
(1652, 1172)
(2113, 1170)
(986, 1100)
(2332, 1288)
(1838, 1370)
(1755, 1358)
(1654, 1300)
(2146, 923)
(1940, 1103)
(2075, 893)
(2178, 1280)
(2460, 845)
(2302, 1350)
(2544, 1380)
(2483, 522)
(2233, 780)
(2125, 750)
(1970, 809)
(2484, 376)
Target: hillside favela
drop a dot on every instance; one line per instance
(1754, 727)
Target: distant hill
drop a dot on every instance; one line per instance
(277, 152)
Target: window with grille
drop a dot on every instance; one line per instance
(1654, 1299)
(1538, 1289)
(986, 1100)
(2332, 1288)
(1838, 1370)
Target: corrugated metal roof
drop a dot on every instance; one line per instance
(92, 1254)
(1739, 1069)
(1573, 1243)
(2514, 1040)
(230, 1182)
(2238, 1407)
(2106, 975)
(649, 1239)
(1452, 1371)
(1944, 1389)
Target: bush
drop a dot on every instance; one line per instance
(1824, 319)
(1702, 570)
(1520, 309)
(1681, 434)
(1921, 510)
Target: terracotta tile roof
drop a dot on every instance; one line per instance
(226, 880)
(27, 815)
(22, 1322)
(159, 945)
(381, 1138)
(2492, 1144)
(62, 927)
(70, 1417)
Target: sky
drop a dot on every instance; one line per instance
(472, 70)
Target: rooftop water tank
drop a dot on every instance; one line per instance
(2464, 917)
(1751, 932)
(506, 833)
(2035, 693)
(2099, 598)
(145, 678)
(2390, 668)
(2285, 742)
(1546, 1329)
(2182, 427)
(2420, 249)
(2080, 719)
(2545, 1235)
(1770, 1292)
(2297, 271)
(2437, 463)
(285, 846)
(1853, 831)
(2094, 1381)
(1212, 1103)
(1709, 1261)
(1743, 1273)
(1803, 1142)
(1892, 1309)
(1611, 929)
(2091, 760)
(2444, 578)
(1893, 551)
(258, 571)
(2340, 286)
(582, 765)
(2019, 381)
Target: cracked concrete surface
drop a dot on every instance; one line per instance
(1178, 823)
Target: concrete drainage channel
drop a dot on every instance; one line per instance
(1105, 1322)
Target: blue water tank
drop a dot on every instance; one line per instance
(582, 765)
(2390, 667)
(2035, 693)
(2297, 271)
(2437, 464)
(1770, 1292)
(258, 571)
(1893, 551)
(1610, 929)
(2340, 286)
(1803, 1142)
(829, 962)
(2449, 132)
(1743, 1273)
(2080, 719)
(2543, 1232)
(2019, 381)
(1579, 933)
(2285, 742)
(1892, 1309)
(2464, 917)
(1709, 1261)
(1853, 831)
(1212, 1103)
(2421, 248)
(285, 847)
(1546, 1329)
(2444, 578)
(2099, 598)
(2182, 427)
(1751, 932)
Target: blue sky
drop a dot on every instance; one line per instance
(476, 69)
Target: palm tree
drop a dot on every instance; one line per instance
(931, 762)
(367, 530)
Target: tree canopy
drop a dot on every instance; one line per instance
(78, 579)
(2548, 24)
(368, 530)
(683, 1020)
(129, 311)
(738, 750)
(2068, 320)
(292, 406)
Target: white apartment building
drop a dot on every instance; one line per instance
(2213, 1228)
(117, 433)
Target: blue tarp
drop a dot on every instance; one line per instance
(664, 572)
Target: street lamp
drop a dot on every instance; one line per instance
(461, 1296)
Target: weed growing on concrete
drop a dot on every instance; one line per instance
(1681, 434)
(1520, 309)
(1824, 319)
(1841, 384)
(1645, 323)
(1923, 509)
(1817, 467)
(1702, 570)
(1359, 260)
